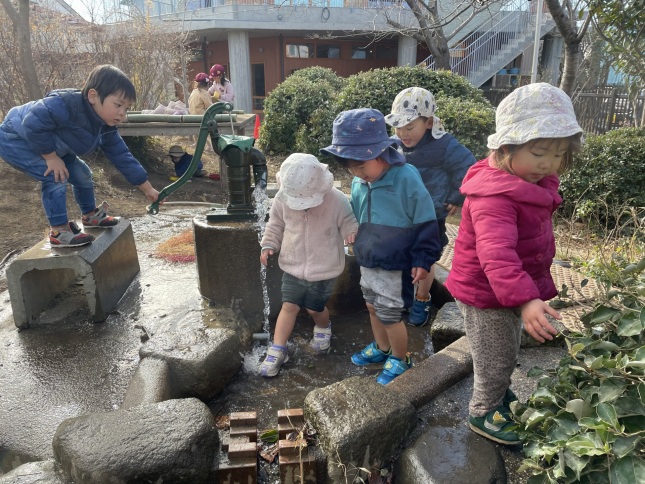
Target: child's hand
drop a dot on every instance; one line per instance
(351, 238)
(57, 166)
(452, 209)
(418, 274)
(150, 193)
(535, 322)
(264, 256)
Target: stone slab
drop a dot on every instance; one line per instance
(43, 472)
(424, 381)
(149, 384)
(172, 441)
(106, 268)
(447, 327)
(201, 361)
(359, 422)
(450, 455)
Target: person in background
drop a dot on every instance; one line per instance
(222, 89)
(199, 100)
(182, 161)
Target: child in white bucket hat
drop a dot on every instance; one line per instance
(442, 162)
(308, 223)
(500, 272)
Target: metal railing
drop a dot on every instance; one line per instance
(513, 23)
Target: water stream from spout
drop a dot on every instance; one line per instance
(262, 207)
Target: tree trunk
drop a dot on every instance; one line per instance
(570, 70)
(22, 34)
(435, 39)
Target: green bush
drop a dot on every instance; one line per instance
(586, 420)
(317, 132)
(377, 88)
(471, 122)
(289, 106)
(610, 170)
(317, 73)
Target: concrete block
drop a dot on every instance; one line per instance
(447, 327)
(438, 292)
(150, 384)
(171, 441)
(359, 422)
(106, 268)
(424, 381)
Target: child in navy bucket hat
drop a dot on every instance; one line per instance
(397, 241)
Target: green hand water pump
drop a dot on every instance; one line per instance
(239, 156)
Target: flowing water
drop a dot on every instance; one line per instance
(262, 207)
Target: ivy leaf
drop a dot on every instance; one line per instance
(579, 408)
(603, 314)
(640, 354)
(629, 326)
(538, 416)
(575, 462)
(586, 444)
(628, 470)
(607, 414)
(624, 445)
(641, 391)
(539, 479)
(270, 436)
(543, 395)
(611, 389)
(536, 371)
(592, 423)
(606, 345)
(571, 427)
(628, 407)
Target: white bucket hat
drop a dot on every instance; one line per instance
(303, 181)
(412, 103)
(531, 112)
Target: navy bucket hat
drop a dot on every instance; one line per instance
(361, 135)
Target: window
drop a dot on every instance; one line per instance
(300, 51)
(362, 52)
(387, 51)
(328, 51)
(258, 88)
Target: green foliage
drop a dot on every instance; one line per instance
(290, 105)
(586, 420)
(300, 112)
(471, 122)
(609, 172)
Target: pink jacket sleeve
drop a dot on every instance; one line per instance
(346, 219)
(229, 94)
(274, 230)
(495, 225)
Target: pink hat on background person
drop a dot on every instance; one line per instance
(202, 77)
(217, 70)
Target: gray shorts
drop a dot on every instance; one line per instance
(311, 295)
(390, 292)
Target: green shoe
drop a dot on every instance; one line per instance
(509, 397)
(497, 426)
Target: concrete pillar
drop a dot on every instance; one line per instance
(407, 55)
(240, 67)
(552, 56)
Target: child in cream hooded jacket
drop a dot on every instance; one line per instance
(308, 223)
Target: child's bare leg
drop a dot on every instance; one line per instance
(285, 323)
(423, 288)
(378, 329)
(321, 319)
(398, 337)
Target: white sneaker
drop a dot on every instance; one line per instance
(272, 363)
(322, 338)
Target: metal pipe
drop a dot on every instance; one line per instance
(261, 337)
(536, 43)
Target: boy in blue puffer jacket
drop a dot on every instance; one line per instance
(442, 163)
(45, 138)
(397, 241)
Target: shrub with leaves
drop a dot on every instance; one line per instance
(471, 122)
(317, 73)
(609, 172)
(586, 420)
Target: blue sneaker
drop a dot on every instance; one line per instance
(420, 312)
(392, 368)
(370, 355)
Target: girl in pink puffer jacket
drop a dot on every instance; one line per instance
(500, 272)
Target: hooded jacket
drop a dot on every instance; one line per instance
(442, 163)
(505, 245)
(65, 122)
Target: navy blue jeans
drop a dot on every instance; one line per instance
(16, 152)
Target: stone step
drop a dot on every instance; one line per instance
(292, 447)
(250, 432)
(243, 419)
(237, 451)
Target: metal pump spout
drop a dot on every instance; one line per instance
(239, 155)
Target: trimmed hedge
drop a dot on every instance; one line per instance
(611, 167)
(317, 73)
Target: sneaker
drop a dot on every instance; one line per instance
(272, 363)
(392, 368)
(497, 426)
(420, 312)
(69, 238)
(322, 338)
(509, 397)
(100, 218)
(370, 355)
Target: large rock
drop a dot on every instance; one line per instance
(201, 361)
(360, 424)
(450, 455)
(448, 326)
(44, 472)
(172, 441)
(438, 292)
